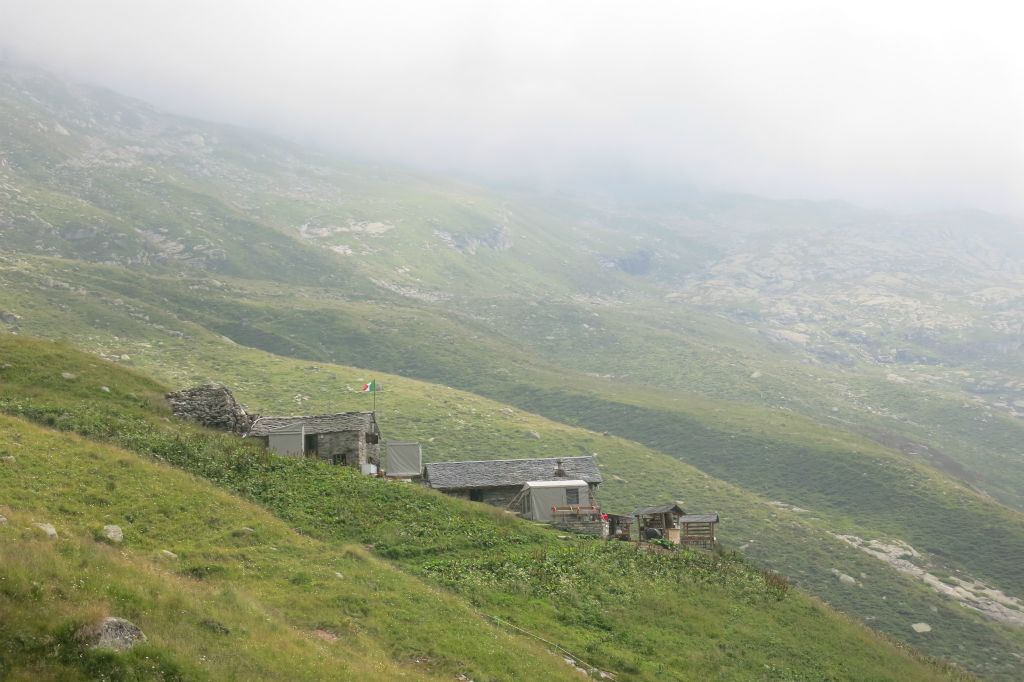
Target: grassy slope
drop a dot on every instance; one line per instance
(271, 589)
(451, 422)
(293, 386)
(677, 349)
(779, 455)
(296, 387)
(704, 616)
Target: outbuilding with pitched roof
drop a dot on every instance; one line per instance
(499, 481)
(346, 438)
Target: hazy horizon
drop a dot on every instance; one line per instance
(903, 106)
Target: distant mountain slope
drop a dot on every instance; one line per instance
(709, 330)
(105, 178)
(910, 321)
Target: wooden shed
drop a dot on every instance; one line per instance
(698, 530)
(661, 522)
(619, 526)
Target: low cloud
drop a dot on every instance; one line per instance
(898, 104)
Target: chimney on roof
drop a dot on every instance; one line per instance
(559, 471)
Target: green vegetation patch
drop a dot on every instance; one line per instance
(516, 589)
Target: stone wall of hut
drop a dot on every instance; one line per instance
(348, 448)
(587, 524)
(498, 497)
(345, 447)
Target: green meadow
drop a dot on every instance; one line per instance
(290, 567)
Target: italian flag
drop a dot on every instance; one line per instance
(370, 387)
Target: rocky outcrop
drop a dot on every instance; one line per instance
(969, 592)
(499, 238)
(210, 405)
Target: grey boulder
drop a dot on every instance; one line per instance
(113, 634)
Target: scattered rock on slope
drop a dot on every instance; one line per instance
(329, 636)
(843, 577)
(115, 634)
(47, 528)
(113, 533)
(210, 405)
(215, 626)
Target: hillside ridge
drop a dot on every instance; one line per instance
(218, 540)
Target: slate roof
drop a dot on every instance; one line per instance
(321, 423)
(499, 473)
(699, 518)
(566, 482)
(660, 509)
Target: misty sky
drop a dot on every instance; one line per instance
(898, 104)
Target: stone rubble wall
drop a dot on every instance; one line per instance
(210, 405)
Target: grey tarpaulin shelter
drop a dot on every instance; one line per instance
(539, 497)
(405, 460)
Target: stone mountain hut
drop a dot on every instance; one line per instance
(499, 482)
(347, 438)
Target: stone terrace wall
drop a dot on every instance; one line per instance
(587, 525)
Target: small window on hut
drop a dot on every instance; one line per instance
(476, 495)
(572, 495)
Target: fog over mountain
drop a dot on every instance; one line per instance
(841, 386)
(904, 105)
